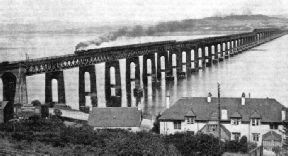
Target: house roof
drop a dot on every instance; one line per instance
(268, 109)
(214, 116)
(255, 115)
(269, 136)
(190, 113)
(236, 115)
(114, 117)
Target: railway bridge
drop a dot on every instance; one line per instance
(158, 59)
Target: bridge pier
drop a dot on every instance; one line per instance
(178, 66)
(152, 73)
(136, 78)
(113, 98)
(187, 59)
(58, 75)
(203, 58)
(93, 91)
(196, 60)
(209, 57)
(226, 50)
(159, 65)
(216, 57)
(14, 90)
(221, 57)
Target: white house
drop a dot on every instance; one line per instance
(252, 117)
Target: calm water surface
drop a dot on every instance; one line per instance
(261, 71)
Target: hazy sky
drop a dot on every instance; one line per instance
(103, 11)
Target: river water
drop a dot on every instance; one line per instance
(260, 72)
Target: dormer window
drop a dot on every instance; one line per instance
(212, 128)
(235, 121)
(255, 121)
(190, 120)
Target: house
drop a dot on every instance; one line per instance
(115, 117)
(253, 117)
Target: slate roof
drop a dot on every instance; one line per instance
(269, 136)
(236, 115)
(190, 113)
(268, 109)
(114, 117)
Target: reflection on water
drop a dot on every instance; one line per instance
(261, 71)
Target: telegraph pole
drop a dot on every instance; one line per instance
(219, 115)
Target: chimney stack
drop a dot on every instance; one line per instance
(283, 116)
(139, 106)
(167, 100)
(243, 99)
(209, 97)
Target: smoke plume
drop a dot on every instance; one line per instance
(138, 31)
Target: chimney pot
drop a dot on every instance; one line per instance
(209, 97)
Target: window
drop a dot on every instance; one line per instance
(236, 136)
(273, 126)
(235, 121)
(255, 122)
(255, 136)
(190, 120)
(177, 124)
(212, 128)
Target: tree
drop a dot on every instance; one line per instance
(244, 144)
(36, 103)
(276, 150)
(156, 125)
(57, 112)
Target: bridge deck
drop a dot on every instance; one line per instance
(94, 56)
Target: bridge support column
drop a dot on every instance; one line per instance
(226, 50)
(215, 60)
(209, 57)
(115, 99)
(145, 75)
(136, 79)
(159, 65)
(187, 59)
(196, 60)
(221, 57)
(231, 48)
(93, 92)
(203, 58)
(14, 90)
(178, 66)
(58, 75)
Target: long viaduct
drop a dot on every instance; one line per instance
(184, 56)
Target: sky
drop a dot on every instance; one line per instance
(111, 11)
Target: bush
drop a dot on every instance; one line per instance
(236, 146)
(36, 103)
(199, 144)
